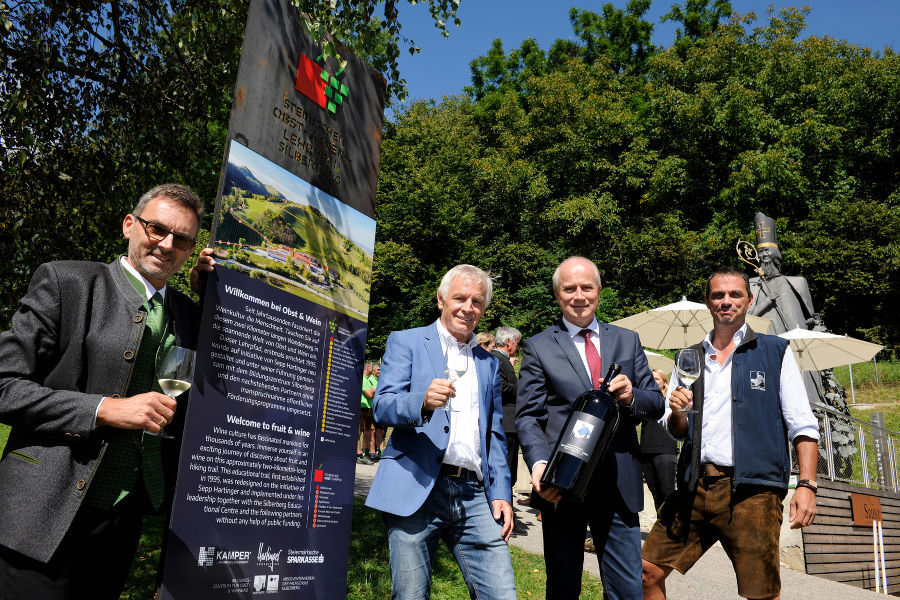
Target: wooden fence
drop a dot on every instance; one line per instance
(835, 548)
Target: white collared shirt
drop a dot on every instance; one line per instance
(575, 332)
(464, 447)
(716, 441)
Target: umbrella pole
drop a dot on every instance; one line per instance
(875, 362)
(852, 393)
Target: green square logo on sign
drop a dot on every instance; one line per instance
(319, 85)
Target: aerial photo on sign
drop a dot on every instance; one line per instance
(278, 228)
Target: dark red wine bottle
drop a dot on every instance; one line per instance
(585, 440)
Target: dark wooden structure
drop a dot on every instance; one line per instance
(835, 548)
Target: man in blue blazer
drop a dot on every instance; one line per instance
(560, 363)
(443, 474)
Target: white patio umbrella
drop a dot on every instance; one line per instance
(660, 362)
(678, 325)
(817, 350)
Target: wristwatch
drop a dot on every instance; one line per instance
(808, 484)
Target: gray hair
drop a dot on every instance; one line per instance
(504, 334)
(467, 272)
(180, 194)
(556, 272)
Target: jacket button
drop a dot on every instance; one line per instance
(67, 434)
(116, 396)
(80, 485)
(128, 354)
(137, 318)
(446, 429)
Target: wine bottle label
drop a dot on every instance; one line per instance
(581, 435)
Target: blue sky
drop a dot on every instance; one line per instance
(350, 222)
(442, 67)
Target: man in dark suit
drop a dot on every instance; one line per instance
(84, 461)
(506, 344)
(443, 475)
(559, 364)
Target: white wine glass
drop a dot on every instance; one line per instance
(457, 364)
(175, 374)
(687, 365)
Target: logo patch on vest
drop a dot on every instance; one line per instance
(758, 380)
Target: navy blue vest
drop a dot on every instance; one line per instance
(759, 434)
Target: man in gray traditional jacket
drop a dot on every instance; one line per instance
(84, 461)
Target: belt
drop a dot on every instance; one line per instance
(708, 470)
(458, 472)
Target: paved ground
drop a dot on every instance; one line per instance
(712, 578)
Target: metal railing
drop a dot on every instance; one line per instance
(856, 452)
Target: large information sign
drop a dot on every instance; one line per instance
(265, 482)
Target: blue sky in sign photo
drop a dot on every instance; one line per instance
(442, 67)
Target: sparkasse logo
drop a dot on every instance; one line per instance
(320, 86)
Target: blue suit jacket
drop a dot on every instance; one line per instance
(552, 376)
(413, 457)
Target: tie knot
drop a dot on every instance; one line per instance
(586, 333)
(155, 300)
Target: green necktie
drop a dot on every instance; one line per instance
(132, 452)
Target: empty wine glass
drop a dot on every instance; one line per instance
(175, 373)
(457, 364)
(687, 365)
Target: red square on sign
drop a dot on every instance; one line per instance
(318, 474)
(309, 80)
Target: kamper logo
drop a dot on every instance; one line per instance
(320, 86)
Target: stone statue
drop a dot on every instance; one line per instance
(783, 299)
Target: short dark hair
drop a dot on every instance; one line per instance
(180, 194)
(730, 271)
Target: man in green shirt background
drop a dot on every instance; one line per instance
(366, 418)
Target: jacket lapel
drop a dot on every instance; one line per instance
(571, 353)
(433, 349)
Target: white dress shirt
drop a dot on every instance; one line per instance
(716, 441)
(464, 447)
(575, 332)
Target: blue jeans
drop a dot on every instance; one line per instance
(617, 538)
(456, 511)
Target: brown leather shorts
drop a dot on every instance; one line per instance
(747, 524)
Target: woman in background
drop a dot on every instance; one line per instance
(658, 452)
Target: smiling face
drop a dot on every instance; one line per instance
(578, 292)
(158, 261)
(463, 307)
(728, 301)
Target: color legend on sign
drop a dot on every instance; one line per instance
(327, 381)
(316, 506)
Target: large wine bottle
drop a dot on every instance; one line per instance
(585, 439)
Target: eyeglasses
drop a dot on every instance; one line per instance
(158, 233)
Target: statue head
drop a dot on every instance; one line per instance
(770, 261)
(767, 245)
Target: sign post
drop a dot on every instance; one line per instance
(265, 481)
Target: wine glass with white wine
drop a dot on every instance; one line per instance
(175, 373)
(457, 364)
(687, 365)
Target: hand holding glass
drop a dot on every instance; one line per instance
(456, 368)
(175, 373)
(687, 365)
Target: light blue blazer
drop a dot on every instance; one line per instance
(412, 459)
